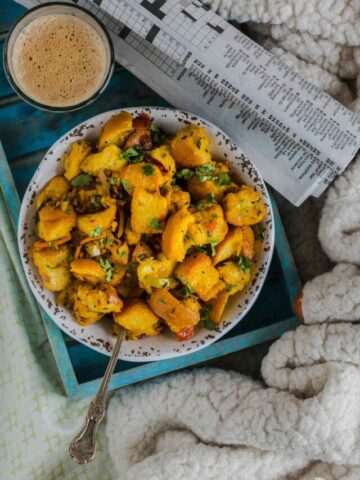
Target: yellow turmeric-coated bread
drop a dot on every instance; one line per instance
(138, 319)
(55, 222)
(147, 229)
(116, 130)
(244, 207)
(77, 153)
(108, 159)
(148, 211)
(54, 191)
(191, 147)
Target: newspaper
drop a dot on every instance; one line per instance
(299, 138)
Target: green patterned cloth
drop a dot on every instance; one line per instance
(37, 420)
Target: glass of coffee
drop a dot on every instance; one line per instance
(58, 57)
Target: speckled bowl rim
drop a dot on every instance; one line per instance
(98, 336)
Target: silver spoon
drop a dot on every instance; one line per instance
(83, 446)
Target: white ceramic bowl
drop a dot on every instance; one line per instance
(98, 336)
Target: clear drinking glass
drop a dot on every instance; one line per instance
(57, 8)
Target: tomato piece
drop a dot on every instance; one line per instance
(185, 334)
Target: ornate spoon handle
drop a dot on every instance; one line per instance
(83, 446)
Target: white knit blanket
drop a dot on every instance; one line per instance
(304, 421)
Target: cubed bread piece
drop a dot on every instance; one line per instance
(164, 159)
(179, 316)
(92, 302)
(119, 252)
(143, 175)
(138, 319)
(116, 130)
(110, 158)
(244, 207)
(191, 147)
(55, 223)
(231, 246)
(88, 270)
(198, 274)
(77, 153)
(156, 273)
(97, 222)
(235, 277)
(52, 265)
(248, 247)
(148, 211)
(175, 231)
(215, 187)
(55, 190)
(217, 306)
(177, 198)
(210, 226)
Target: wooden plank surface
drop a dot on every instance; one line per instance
(10, 11)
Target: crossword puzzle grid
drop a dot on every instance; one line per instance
(113, 25)
(144, 28)
(198, 26)
(189, 22)
(164, 62)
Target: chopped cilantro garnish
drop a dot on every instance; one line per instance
(82, 180)
(142, 257)
(212, 248)
(127, 185)
(112, 180)
(187, 284)
(185, 173)
(157, 135)
(244, 264)
(205, 172)
(208, 249)
(154, 224)
(108, 241)
(259, 231)
(209, 324)
(109, 269)
(205, 317)
(134, 155)
(96, 232)
(210, 198)
(223, 179)
(148, 169)
(200, 206)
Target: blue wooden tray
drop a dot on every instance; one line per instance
(26, 133)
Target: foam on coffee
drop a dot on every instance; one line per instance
(59, 60)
